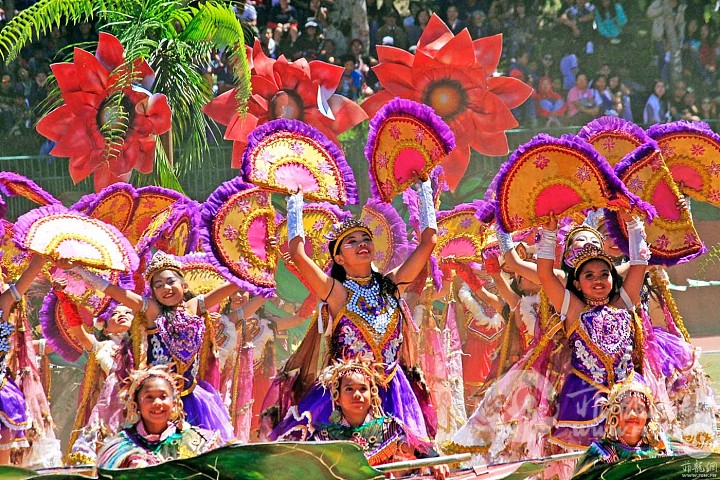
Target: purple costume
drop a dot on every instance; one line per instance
(370, 325)
(13, 415)
(178, 337)
(602, 348)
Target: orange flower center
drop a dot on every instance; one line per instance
(286, 104)
(446, 97)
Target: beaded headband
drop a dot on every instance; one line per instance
(162, 261)
(342, 230)
(588, 252)
(569, 253)
(332, 374)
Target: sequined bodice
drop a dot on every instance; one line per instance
(178, 339)
(368, 325)
(602, 345)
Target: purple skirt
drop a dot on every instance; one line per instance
(398, 400)
(12, 415)
(205, 409)
(676, 355)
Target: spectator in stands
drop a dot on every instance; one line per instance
(331, 32)
(656, 108)
(547, 67)
(520, 30)
(415, 30)
(289, 45)
(604, 97)
(550, 105)
(83, 33)
(708, 111)
(351, 82)
(308, 45)
(13, 109)
(452, 16)
(520, 69)
(668, 18)
(478, 26)
(38, 93)
(268, 43)
(622, 94)
(23, 83)
(579, 18)
(690, 110)
(284, 15)
(676, 99)
(610, 19)
(391, 28)
(413, 9)
(39, 62)
(569, 67)
(582, 107)
(707, 54)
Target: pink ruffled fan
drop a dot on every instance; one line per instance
(692, 153)
(173, 230)
(461, 236)
(389, 234)
(406, 140)
(60, 233)
(237, 220)
(286, 155)
(318, 220)
(613, 137)
(565, 176)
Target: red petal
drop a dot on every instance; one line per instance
(110, 52)
(264, 87)
(435, 36)
(492, 115)
(157, 111)
(326, 74)
(488, 51)
(397, 79)
(104, 177)
(56, 123)
(261, 63)
(66, 77)
(77, 141)
(322, 123)
(511, 91)
(147, 155)
(222, 108)
(491, 143)
(92, 76)
(237, 154)
(376, 101)
(388, 54)
(347, 113)
(82, 166)
(240, 128)
(458, 51)
(455, 165)
(128, 157)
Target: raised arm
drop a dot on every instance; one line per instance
(639, 254)
(15, 292)
(214, 297)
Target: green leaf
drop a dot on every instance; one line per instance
(662, 468)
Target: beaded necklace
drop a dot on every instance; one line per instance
(368, 303)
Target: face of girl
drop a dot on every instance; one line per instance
(354, 399)
(168, 288)
(155, 401)
(594, 280)
(583, 237)
(357, 248)
(120, 320)
(238, 299)
(632, 419)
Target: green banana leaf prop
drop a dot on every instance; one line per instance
(698, 465)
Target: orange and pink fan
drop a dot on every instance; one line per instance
(389, 234)
(406, 140)
(613, 137)
(461, 235)
(13, 185)
(692, 153)
(237, 220)
(286, 155)
(671, 236)
(565, 176)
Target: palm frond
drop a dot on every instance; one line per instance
(38, 20)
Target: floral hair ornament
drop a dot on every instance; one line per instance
(331, 378)
(135, 381)
(570, 253)
(161, 261)
(341, 230)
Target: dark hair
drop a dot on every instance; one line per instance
(573, 275)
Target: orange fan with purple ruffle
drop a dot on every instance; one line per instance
(613, 137)
(406, 141)
(461, 235)
(565, 176)
(389, 234)
(692, 153)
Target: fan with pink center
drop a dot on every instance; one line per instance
(565, 176)
(237, 221)
(613, 137)
(407, 140)
(461, 236)
(173, 230)
(389, 234)
(285, 156)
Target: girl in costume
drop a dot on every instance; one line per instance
(172, 327)
(364, 316)
(14, 421)
(157, 431)
(631, 429)
(597, 309)
(358, 416)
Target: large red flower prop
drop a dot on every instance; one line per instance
(108, 123)
(298, 90)
(453, 75)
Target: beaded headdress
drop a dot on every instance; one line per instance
(135, 381)
(588, 252)
(342, 230)
(162, 261)
(332, 375)
(569, 252)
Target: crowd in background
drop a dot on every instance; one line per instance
(647, 62)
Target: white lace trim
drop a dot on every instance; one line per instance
(468, 301)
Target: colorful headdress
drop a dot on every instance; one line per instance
(569, 254)
(331, 377)
(588, 252)
(613, 405)
(135, 381)
(342, 230)
(162, 261)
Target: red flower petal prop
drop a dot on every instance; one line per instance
(453, 75)
(299, 90)
(93, 94)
